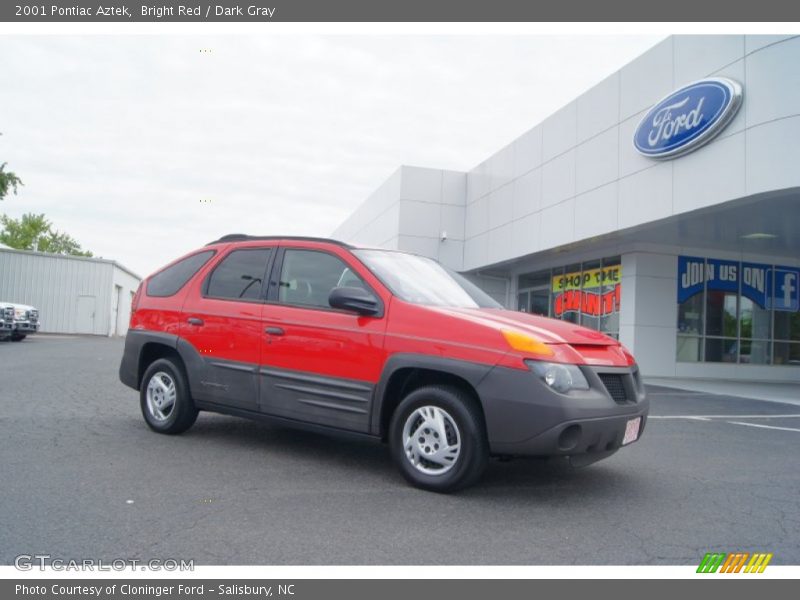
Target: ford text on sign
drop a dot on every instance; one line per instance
(688, 118)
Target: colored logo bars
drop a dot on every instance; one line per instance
(735, 562)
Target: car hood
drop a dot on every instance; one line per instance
(550, 331)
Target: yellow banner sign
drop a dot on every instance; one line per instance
(589, 279)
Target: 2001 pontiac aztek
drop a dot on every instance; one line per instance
(390, 345)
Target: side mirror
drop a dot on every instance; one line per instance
(355, 299)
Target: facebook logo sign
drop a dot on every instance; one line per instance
(786, 290)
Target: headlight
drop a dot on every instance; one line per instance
(562, 378)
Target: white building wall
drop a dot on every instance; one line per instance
(416, 210)
(73, 294)
(376, 221)
(577, 175)
(124, 284)
(649, 311)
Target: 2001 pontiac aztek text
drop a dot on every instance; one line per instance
(389, 345)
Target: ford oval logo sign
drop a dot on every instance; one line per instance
(688, 118)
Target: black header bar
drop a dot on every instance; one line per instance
(253, 11)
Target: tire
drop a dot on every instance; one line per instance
(17, 337)
(164, 396)
(463, 423)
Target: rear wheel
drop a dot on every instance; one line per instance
(166, 404)
(438, 439)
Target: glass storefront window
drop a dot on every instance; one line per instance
(535, 280)
(689, 348)
(592, 284)
(587, 293)
(787, 325)
(755, 352)
(787, 353)
(727, 312)
(553, 297)
(690, 315)
(536, 288)
(522, 302)
(754, 320)
(609, 321)
(540, 302)
(572, 283)
(721, 313)
(721, 350)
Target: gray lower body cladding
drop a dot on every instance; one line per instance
(525, 417)
(134, 342)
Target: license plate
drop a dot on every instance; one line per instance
(632, 431)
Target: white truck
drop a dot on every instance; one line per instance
(25, 320)
(6, 320)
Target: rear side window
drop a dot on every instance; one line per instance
(240, 275)
(173, 278)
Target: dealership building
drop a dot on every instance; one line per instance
(662, 206)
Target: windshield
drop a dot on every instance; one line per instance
(424, 281)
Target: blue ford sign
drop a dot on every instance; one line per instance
(688, 118)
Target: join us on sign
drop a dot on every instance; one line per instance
(754, 276)
(769, 286)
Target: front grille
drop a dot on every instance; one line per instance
(616, 387)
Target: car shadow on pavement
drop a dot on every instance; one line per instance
(531, 478)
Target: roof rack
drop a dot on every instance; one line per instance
(241, 237)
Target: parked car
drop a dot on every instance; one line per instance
(382, 344)
(6, 320)
(26, 320)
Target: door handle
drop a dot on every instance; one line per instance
(195, 321)
(274, 330)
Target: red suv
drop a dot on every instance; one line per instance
(388, 345)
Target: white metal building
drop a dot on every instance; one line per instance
(688, 251)
(73, 294)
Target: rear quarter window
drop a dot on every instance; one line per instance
(169, 281)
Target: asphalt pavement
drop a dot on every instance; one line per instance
(83, 477)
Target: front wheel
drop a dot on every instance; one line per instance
(438, 440)
(166, 404)
(17, 337)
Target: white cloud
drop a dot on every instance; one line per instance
(118, 139)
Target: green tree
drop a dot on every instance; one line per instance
(8, 181)
(35, 232)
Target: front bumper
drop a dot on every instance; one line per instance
(6, 328)
(26, 327)
(525, 417)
